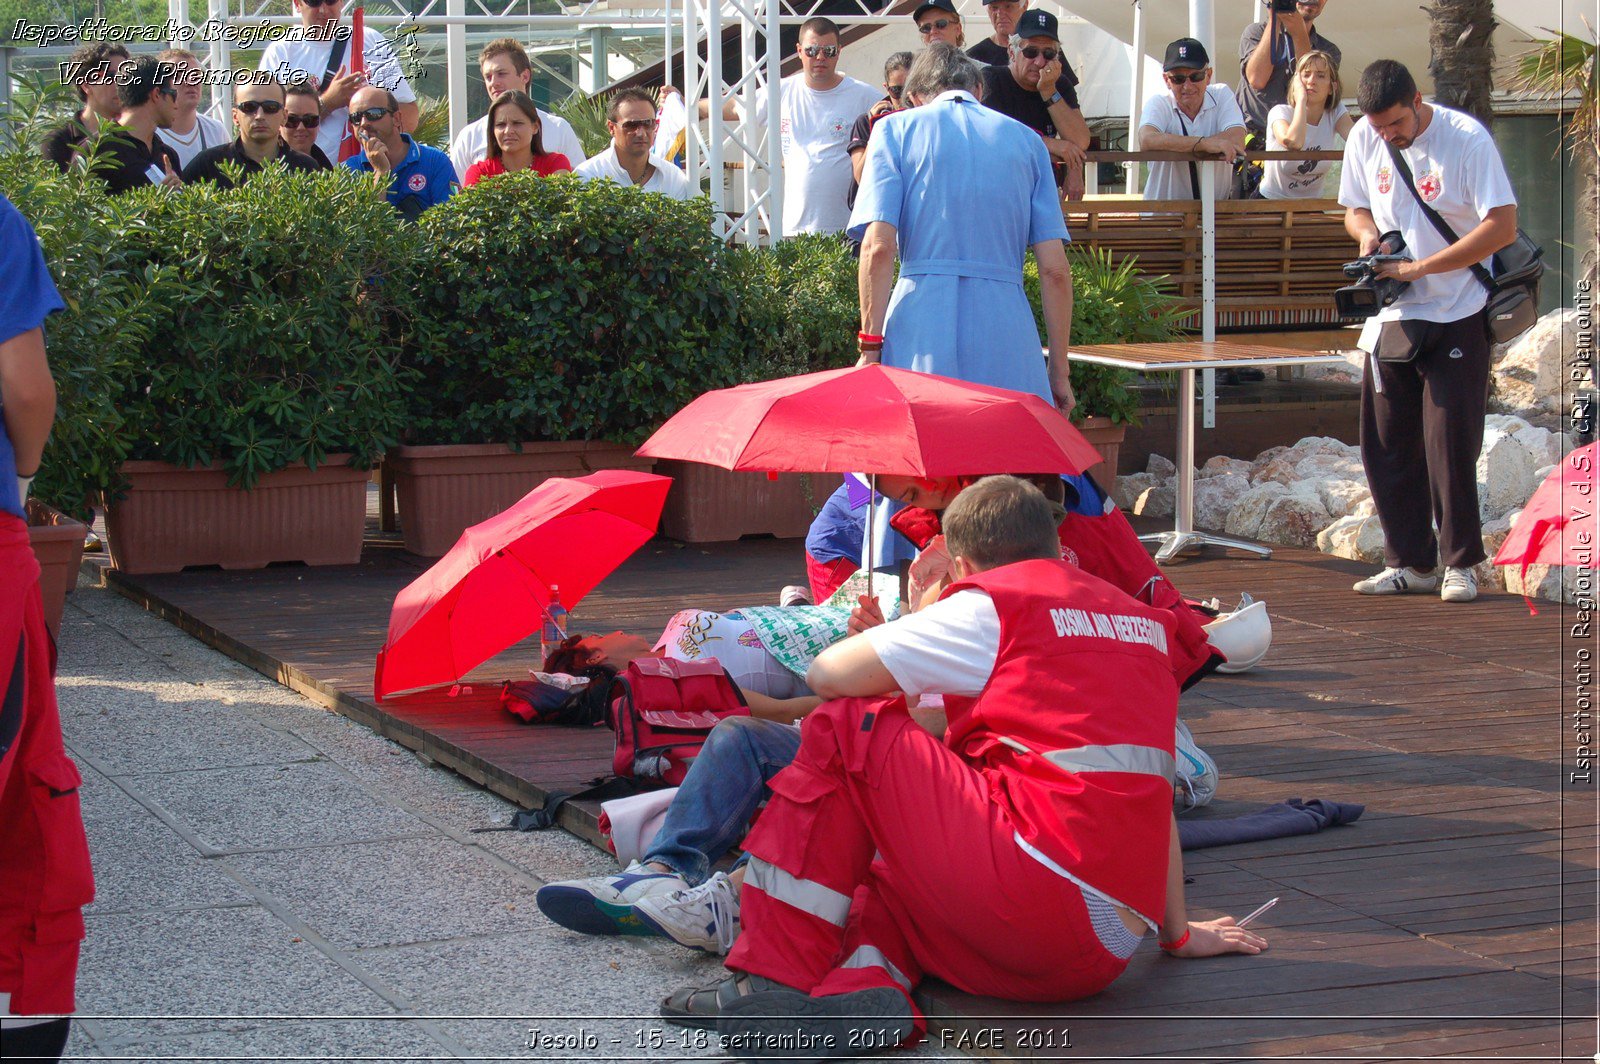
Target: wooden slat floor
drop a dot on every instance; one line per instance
(1455, 920)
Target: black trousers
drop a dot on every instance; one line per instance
(1421, 431)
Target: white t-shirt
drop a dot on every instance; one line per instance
(815, 127)
(668, 180)
(207, 133)
(472, 143)
(694, 634)
(1458, 171)
(294, 54)
(1299, 180)
(1219, 112)
(948, 647)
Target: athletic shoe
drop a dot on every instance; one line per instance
(794, 595)
(1397, 581)
(704, 917)
(1459, 585)
(796, 1026)
(604, 905)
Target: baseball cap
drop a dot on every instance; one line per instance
(1185, 53)
(1037, 23)
(929, 5)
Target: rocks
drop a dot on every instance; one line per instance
(1214, 497)
(1357, 538)
(1160, 468)
(1333, 457)
(1222, 465)
(1295, 518)
(1159, 501)
(1344, 497)
(1506, 472)
(1529, 376)
(1246, 516)
(1126, 491)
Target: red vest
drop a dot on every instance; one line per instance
(1108, 547)
(1082, 680)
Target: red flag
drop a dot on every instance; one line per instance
(351, 145)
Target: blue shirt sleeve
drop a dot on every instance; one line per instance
(1046, 222)
(442, 182)
(882, 188)
(27, 294)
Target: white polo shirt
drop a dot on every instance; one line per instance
(1219, 112)
(667, 179)
(472, 143)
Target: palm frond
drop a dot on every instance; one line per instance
(1562, 65)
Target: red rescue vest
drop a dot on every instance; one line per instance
(1074, 729)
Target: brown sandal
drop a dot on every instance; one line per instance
(699, 1006)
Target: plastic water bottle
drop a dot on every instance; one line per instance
(554, 629)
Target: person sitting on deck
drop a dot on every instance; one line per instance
(1049, 797)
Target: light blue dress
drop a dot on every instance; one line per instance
(968, 191)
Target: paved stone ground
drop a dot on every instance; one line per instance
(276, 881)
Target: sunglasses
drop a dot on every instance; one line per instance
(1196, 78)
(636, 125)
(167, 91)
(251, 108)
(895, 90)
(370, 114)
(1031, 52)
(934, 24)
(309, 121)
(825, 51)
(321, 3)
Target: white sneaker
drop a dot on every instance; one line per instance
(1397, 581)
(1460, 585)
(704, 917)
(605, 905)
(794, 595)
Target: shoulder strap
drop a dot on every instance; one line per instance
(1433, 216)
(1194, 171)
(335, 58)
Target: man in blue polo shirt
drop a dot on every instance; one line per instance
(419, 176)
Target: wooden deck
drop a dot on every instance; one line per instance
(1456, 920)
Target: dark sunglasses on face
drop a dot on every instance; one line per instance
(637, 125)
(1196, 78)
(253, 107)
(1031, 52)
(895, 90)
(321, 3)
(934, 24)
(826, 51)
(168, 91)
(370, 114)
(309, 121)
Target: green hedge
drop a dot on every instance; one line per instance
(294, 317)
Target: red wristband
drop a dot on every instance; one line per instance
(1177, 944)
(869, 338)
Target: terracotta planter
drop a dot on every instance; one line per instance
(174, 517)
(57, 542)
(707, 504)
(445, 489)
(1107, 439)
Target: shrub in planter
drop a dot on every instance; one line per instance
(1111, 304)
(801, 306)
(99, 339)
(553, 309)
(283, 312)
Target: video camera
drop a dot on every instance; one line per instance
(1282, 7)
(1371, 293)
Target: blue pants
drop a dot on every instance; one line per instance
(726, 783)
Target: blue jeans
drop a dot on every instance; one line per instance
(726, 783)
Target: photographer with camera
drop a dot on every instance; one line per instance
(1267, 53)
(1427, 378)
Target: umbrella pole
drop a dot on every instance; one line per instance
(871, 551)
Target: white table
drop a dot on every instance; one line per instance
(1185, 357)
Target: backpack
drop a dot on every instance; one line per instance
(539, 702)
(662, 711)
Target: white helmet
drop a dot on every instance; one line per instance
(1242, 636)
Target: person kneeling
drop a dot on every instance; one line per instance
(1059, 819)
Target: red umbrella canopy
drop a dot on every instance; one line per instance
(873, 419)
(1557, 527)
(490, 590)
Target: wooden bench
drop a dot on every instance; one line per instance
(1278, 261)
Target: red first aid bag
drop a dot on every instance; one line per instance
(662, 710)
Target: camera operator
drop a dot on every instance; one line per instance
(1267, 53)
(1427, 378)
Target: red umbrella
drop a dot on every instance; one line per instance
(1557, 527)
(490, 591)
(350, 145)
(874, 419)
